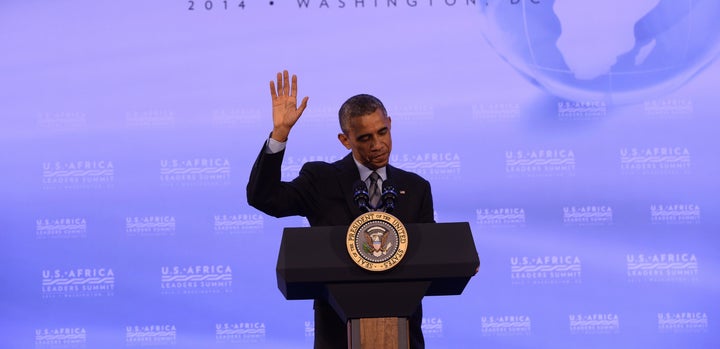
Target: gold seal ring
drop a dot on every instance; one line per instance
(376, 241)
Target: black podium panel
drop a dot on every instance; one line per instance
(314, 262)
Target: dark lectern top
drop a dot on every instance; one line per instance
(314, 263)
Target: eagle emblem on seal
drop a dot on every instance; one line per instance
(376, 241)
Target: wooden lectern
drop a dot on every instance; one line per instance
(313, 263)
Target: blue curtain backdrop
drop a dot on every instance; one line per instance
(578, 138)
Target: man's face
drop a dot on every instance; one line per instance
(369, 139)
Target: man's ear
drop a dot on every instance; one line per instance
(344, 140)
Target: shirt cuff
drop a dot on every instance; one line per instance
(272, 146)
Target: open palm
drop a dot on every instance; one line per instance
(284, 105)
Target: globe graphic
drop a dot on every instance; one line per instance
(616, 51)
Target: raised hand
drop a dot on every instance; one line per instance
(284, 105)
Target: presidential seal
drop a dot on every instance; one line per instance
(377, 241)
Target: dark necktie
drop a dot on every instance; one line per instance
(373, 190)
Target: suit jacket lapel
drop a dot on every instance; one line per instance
(394, 175)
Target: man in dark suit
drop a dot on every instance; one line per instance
(323, 192)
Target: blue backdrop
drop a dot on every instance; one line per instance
(577, 137)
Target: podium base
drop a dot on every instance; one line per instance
(378, 333)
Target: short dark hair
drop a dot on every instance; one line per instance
(358, 105)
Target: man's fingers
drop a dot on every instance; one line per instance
(273, 92)
(303, 104)
(286, 87)
(293, 86)
(286, 83)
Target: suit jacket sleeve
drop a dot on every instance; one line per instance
(268, 193)
(415, 201)
(427, 211)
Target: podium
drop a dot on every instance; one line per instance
(313, 263)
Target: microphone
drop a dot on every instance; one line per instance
(389, 195)
(361, 196)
